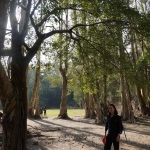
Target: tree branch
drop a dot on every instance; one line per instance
(32, 20)
(46, 17)
(98, 50)
(26, 46)
(53, 12)
(27, 16)
(34, 49)
(96, 23)
(13, 19)
(42, 37)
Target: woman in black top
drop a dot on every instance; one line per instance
(113, 127)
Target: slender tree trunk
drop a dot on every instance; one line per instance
(33, 98)
(105, 88)
(87, 105)
(63, 106)
(123, 99)
(63, 70)
(105, 95)
(37, 111)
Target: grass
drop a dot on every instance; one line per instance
(71, 112)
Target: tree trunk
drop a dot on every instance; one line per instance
(33, 98)
(37, 111)
(99, 117)
(149, 108)
(144, 109)
(127, 111)
(15, 111)
(128, 102)
(63, 107)
(105, 95)
(87, 105)
(142, 99)
(91, 105)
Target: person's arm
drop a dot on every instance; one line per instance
(106, 126)
(119, 129)
(119, 125)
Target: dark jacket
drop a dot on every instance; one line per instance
(113, 125)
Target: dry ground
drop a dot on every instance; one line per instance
(83, 134)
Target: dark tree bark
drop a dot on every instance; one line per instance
(15, 110)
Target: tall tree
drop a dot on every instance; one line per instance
(14, 101)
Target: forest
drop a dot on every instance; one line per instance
(88, 52)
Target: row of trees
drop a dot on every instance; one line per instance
(49, 94)
(94, 45)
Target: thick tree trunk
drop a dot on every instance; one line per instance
(37, 111)
(63, 106)
(127, 111)
(128, 102)
(144, 109)
(92, 109)
(15, 112)
(99, 117)
(87, 105)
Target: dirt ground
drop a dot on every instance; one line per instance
(83, 134)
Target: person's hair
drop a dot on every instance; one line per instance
(115, 110)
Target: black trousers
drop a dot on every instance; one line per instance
(109, 141)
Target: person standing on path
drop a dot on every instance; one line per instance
(113, 126)
(44, 110)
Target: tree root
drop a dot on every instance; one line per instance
(65, 117)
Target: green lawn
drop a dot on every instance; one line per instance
(71, 112)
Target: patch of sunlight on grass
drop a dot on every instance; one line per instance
(71, 112)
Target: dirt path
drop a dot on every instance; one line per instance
(83, 134)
